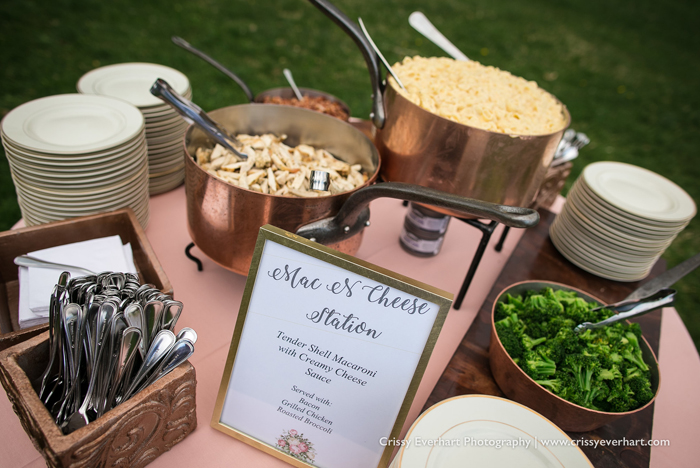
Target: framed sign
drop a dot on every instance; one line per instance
(327, 354)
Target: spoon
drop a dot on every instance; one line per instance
(629, 309)
(171, 313)
(130, 341)
(54, 329)
(290, 79)
(194, 114)
(423, 25)
(187, 334)
(179, 353)
(28, 261)
(80, 418)
(134, 317)
(379, 54)
(163, 341)
(152, 314)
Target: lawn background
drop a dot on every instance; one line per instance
(627, 70)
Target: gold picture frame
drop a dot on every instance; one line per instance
(353, 265)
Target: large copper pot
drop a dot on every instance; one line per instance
(420, 147)
(224, 219)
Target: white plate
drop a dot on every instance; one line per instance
(486, 418)
(600, 257)
(82, 182)
(72, 124)
(626, 245)
(595, 269)
(625, 215)
(584, 203)
(72, 162)
(609, 230)
(132, 82)
(639, 191)
(50, 172)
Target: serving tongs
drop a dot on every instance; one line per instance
(651, 296)
(194, 114)
(628, 309)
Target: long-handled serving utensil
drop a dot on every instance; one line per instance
(423, 25)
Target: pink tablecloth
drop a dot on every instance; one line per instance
(212, 298)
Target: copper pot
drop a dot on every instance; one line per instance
(519, 386)
(420, 147)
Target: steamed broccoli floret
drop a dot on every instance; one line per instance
(609, 374)
(633, 352)
(509, 332)
(529, 343)
(553, 385)
(538, 366)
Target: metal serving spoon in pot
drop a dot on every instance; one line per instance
(423, 25)
(290, 79)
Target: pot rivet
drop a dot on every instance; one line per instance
(346, 229)
(312, 239)
(367, 223)
(371, 115)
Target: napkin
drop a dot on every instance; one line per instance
(36, 284)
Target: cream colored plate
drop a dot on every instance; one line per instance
(639, 191)
(69, 162)
(72, 124)
(80, 173)
(487, 419)
(580, 198)
(625, 215)
(132, 82)
(585, 265)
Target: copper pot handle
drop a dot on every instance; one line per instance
(378, 115)
(353, 216)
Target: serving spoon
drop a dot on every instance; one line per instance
(290, 79)
(423, 25)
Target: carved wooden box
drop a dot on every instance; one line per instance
(131, 435)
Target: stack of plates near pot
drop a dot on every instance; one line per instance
(618, 219)
(165, 129)
(73, 155)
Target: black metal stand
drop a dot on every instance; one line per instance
(504, 234)
(486, 231)
(192, 257)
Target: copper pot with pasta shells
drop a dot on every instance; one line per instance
(423, 148)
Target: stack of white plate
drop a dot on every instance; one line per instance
(165, 129)
(73, 155)
(480, 430)
(618, 219)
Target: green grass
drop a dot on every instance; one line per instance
(627, 70)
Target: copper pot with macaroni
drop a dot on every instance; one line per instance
(421, 147)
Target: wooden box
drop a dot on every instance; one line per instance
(131, 435)
(21, 241)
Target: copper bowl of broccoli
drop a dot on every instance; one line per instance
(579, 381)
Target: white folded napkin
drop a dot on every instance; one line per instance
(36, 284)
